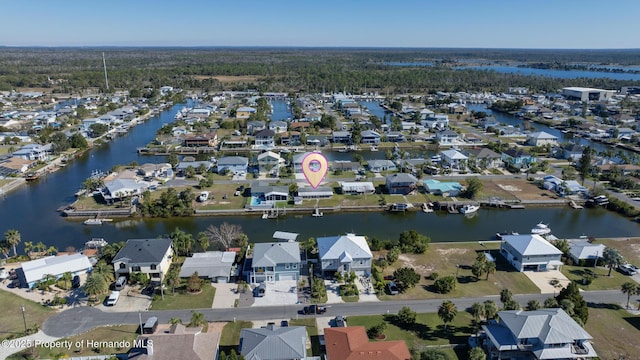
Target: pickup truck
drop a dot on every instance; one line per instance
(314, 309)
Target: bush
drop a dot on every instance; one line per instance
(445, 285)
(434, 276)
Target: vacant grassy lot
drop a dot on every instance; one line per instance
(12, 324)
(510, 189)
(629, 248)
(615, 332)
(183, 300)
(442, 258)
(600, 282)
(216, 201)
(123, 333)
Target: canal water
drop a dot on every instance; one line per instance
(553, 73)
(32, 210)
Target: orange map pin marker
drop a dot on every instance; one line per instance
(314, 168)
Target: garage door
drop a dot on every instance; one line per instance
(287, 277)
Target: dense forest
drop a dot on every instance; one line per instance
(71, 70)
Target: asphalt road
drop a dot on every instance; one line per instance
(81, 319)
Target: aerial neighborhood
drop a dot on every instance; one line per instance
(458, 224)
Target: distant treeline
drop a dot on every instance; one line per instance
(289, 69)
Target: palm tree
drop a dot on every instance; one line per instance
(477, 310)
(52, 250)
(490, 268)
(66, 278)
(173, 279)
(28, 246)
(630, 288)
(197, 319)
(490, 309)
(611, 258)
(533, 305)
(203, 241)
(447, 312)
(104, 270)
(13, 238)
(175, 320)
(95, 285)
(5, 248)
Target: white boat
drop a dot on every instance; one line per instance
(499, 235)
(95, 243)
(317, 213)
(95, 221)
(204, 196)
(373, 148)
(427, 207)
(469, 209)
(541, 229)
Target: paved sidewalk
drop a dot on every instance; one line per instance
(19, 344)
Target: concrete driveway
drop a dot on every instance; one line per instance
(366, 293)
(542, 280)
(333, 292)
(283, 292)
(226, 296)
(129, 301)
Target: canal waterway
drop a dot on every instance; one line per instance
(32, 210)
(553, 73)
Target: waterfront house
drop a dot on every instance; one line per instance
(274, 261)
(274, 343)
(370, 137)
(291, 138)
(170, 342)
(623, 133)
(572, 152)
(182, 166)
(341, 137)
(454, 158)
(484, 158)
(541, 138)
(582, 251)
(265, 139)
(270, 162)
(150, 170)
(317, 140)
(488, 122)
(401, 183)
(278, 127)
(448, 137)
(255, 126)
(35, 270)
(381, 165)
(14, 165)
(518, 159)
(299, 126)
(444, 188)
(412, 165)
(233, 164)
(344, 165)
(538, 334)
(436, 121)
(34, 152)
(321, 192)
(120, 188)
(216, 266)
(205, 140)
(244, 112)
(530, 252)
(268, 194)
(352, 342)
(395, 136)
(344, 253)
(148, 256)
(357, 187)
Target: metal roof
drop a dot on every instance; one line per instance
(531, 244)
(283, 235)
(210, 264)
(54, 265)
(335, 247)
(271, 254)
(274, 343)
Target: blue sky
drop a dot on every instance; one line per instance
(372, 23)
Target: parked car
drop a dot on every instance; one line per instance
(390, 277)
(113, 298)
(313, 310)
(260, 290)
(284, 323)
(340, 321)
(627, 269)
(75, 282)
(392, 288)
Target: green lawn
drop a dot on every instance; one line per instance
(600, 282)
(615, 332)
(230, 337)
(106, 333)
(428, 330)
(12, 324)
(4, 182)
(216, 201)
(182, 300)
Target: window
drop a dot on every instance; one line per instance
(153, 266)
(135, 268)
(287, 266)
(123, 265)
(295, 266)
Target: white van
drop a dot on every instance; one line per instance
(120, 283)
(113, 298)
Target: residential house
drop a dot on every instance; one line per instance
(395, 136)
(454, 158)
(444, 188)
(121, 186)
(411, 165)
(584, 251)
(292, 138)
(352, 342)
(149, 256)
(274, 343)
(344, 253)
(182, 166)
(35, 270)
(448, 137)
(436, 121)
(518, 159)
(205, 140)
(162, 170)
(268, 194)
(299, 126)
(530, 252)
(623, 169)
(344, 165)
(484, 158)
(381, 165)
(255, 126)
(14, 165)
(270, 162)
(265, 139)
(622, 133)
(244, 112)
(572, 152)
(401, 183)
(170, 342)
(297, 161)
(278, 126)
(274, 261)
(369, 137)
(541, 138)
(321, 192)
(341, 137)
(317, 140)
(217, 266)
(538, 334)
(34, 152)
(233, 164)
(357, 187)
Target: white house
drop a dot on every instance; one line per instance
(357, 187)
(270, 162)
(235, 164)
(213, 265)
(582, 249)
(541, 138)
(454, 158)
(148, 256)
(530, 252)
(448, 137)
(344, 253)
(33, 271)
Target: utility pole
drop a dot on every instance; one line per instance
(24, 319)
(104, 64)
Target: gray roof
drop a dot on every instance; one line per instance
(551, 326)
(141, 251)
(380, 163)
(233, 160)
(284, 235)
(349, 245)
(210, 264)
(543, 135)
(401, 178)
(265, 133)
(274, 343)
(270, 254)
(270, 189)
(531, 244)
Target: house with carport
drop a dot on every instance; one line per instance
(530, 252)
(35, 270)
(344, 253)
